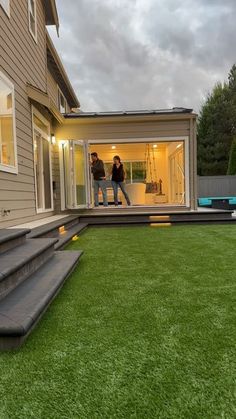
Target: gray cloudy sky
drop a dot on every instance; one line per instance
(145, 54)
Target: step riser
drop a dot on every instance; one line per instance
(55, 233)
(4, 247)
(13, 280)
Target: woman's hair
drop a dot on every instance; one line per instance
(117, 158)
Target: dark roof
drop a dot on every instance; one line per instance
(82, 114)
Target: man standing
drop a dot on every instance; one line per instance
(99, 177)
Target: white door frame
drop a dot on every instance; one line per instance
(63, 183)
(43, 135)
(184, 139)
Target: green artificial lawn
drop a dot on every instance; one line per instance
(144, 328)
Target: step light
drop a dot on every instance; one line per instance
(160, 225)
(62, 230)
(159, 217)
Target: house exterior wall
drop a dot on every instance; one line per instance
(24, 61)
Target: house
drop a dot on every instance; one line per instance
(45, 145)
(34, 93)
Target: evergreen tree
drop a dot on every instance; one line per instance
(217, 127)
(232, 159)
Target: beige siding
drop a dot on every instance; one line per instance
(52, 88)
(23, 61)
(122, 130)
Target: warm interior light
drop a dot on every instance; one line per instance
(154, 145)
(179, 145)
(113, 147)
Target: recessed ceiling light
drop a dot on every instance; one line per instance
(113, 147)
(154, 146)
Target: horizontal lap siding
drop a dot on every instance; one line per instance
(52, 88)
(22, 61)
(123, 130)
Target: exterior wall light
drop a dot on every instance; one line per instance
(53, 139)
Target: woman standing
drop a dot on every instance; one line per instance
(118, 179)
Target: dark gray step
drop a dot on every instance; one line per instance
(18, 263)
(68, 234)
(10, 238)
(52, 229)
(24, 306)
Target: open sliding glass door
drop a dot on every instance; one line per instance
(42, 164)
(74, 157)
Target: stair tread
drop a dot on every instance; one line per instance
(68, 234)
(20, 309)
(7, 234)
(15, 258)
(46, 228)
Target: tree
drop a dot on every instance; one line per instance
(232, 159)
(217, 128)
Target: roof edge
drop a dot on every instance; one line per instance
(61, 68)
(153, 112)
(51, 14)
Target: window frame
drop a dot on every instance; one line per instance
(6, 167)
(34, 35)
(130, 161)
(59, 92)
(6, 10)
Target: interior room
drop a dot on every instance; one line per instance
(154, 172)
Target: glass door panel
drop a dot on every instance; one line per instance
(38, 170)
(46, 174)
(75, 174)
(42, 166)
(79, 175)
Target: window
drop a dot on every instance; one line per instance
(61, 101)
(6, 6)
(135, 171)
(32, 18)
(7, 126)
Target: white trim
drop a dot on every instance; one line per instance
(4, 167)
(34, 35)
(36, 129)
(138, 140)
(6, 9)
(185, 139)
(62, 177)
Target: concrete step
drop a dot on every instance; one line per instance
(20, 262)
(67, 235)
(10, 238)
(53, 229)
(23, 307)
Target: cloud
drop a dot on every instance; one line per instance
(145, 54)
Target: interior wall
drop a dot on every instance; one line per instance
(159, 158)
